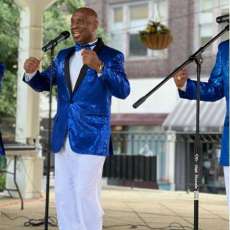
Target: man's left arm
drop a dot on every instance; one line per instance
(114, 76)
(111, 73)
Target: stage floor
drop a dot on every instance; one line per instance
(127, 208)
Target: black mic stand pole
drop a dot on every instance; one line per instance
(197, 58)
(48, 156)
(47, 220)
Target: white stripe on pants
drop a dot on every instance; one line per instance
(77, 190)
(227, 184)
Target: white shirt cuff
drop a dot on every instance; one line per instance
(99, 74)
(29, 76)
(184, 87)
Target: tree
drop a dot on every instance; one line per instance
(9, 17)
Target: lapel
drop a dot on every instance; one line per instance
(67, 72)
(83, 70)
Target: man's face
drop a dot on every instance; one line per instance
(83, 27)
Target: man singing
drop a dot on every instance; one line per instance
(86, 76)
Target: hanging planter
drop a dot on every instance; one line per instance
(156, 36)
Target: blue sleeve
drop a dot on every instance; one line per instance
(209, 91)
(41, 81)
(2, 69)
(2, 150)
(115, 77)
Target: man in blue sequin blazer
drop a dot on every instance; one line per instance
(87, 75)
(2, 151)
(216, 88)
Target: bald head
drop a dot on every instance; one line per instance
(84, 24)
(86, 11)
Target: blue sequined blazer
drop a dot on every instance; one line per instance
(84, 113)
(216, 88)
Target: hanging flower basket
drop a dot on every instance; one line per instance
(156, 36)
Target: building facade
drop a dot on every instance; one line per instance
(192, 23)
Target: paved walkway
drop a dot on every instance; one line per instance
(127, 208)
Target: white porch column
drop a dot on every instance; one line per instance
(30, 43)
(170, 159)
(166, 163)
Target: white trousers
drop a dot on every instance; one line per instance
(227, 184)
(77, 190)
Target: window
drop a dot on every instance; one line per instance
(222, 25)
(118, 15)
(224, 3)
(207, 26)
(206, 21)
(130, 18)
(138, 12)
(117, 33)
(138, 18)
(136, 47)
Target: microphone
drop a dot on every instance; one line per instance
(223, 18)
(51, 44)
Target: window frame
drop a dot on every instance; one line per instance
(127, 29)
(215, 28)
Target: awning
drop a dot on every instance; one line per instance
(183, 117)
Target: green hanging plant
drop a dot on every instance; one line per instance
(156, 36)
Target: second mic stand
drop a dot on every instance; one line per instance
(197, 58)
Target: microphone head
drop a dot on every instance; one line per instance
(223, 18)
(51, 44)
(65, 34)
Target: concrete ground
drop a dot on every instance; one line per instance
(127, 208)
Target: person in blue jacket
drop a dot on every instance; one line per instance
(2, 150)
(87, 75)
(216, 88)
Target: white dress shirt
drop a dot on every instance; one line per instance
(75, 65)
(183, 88)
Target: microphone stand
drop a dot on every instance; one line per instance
(47, 220)
(197, 58)
(48, 156)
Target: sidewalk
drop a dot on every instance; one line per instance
(127, 208)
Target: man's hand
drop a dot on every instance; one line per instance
(180, 78)
(31, 65)
(91, 59)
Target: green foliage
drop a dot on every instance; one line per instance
(2, 182)
(8, 95)
(2, 175)
(72, 5)
(9, 17)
